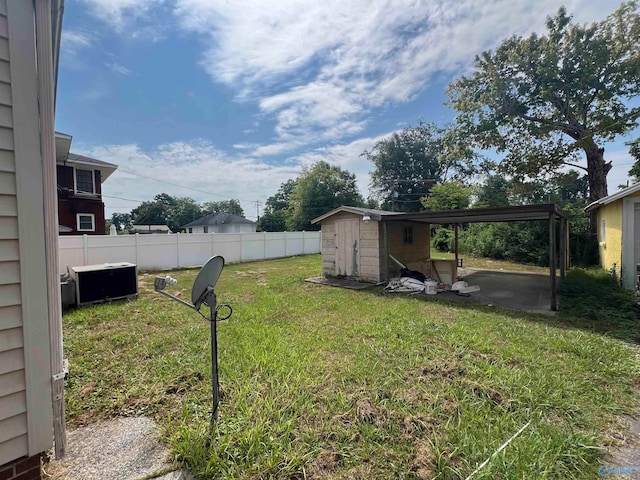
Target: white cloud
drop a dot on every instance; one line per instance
(197, 164)
(118, 68)
(340, 59)
(319, 69)
(120, 12)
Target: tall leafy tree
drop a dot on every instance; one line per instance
(184, 210)
(409, 163)
(634, 151)
(277, 209)
(228, 206)
(547, 100)
(122, 221)
(155, 212)
(449, 195)
(321, 188)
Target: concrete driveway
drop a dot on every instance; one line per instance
(522, 291)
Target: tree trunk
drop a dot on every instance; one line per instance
(597, 170)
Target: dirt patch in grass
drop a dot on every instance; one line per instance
(324, 465)
(423, 460)
(484, 391)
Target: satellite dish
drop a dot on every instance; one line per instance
(206, 278)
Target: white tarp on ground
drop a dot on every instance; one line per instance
(405, 285)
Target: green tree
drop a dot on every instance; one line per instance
(277, 209)
(634, 151)
(122, 221)
(494, 192)
(155, 212)
(447, 196)
(321, 188)
(185, 210)
(409, 163)
(228, 206)
(544, 99)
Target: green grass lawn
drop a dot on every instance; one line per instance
(321, 382)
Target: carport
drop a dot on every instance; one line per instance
(549, 212)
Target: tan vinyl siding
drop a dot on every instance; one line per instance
(13, 400)
(11, 360)
(13, 427)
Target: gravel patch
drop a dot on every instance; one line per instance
(125, 448)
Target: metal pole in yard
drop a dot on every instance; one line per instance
(215, 386)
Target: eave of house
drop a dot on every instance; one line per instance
(81, 161)
(613, 197)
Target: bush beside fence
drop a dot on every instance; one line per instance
(160, 251)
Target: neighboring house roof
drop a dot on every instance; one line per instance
(106, 168)
(149, 229)
(374, 214)
(64, 229)
(219, 218)
(613, 197)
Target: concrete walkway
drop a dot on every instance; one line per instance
(124, 448)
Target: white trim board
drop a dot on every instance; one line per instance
(628, 267)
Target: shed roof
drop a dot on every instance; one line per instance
(219, 218)
(514, 213)
(374, 214)
(613, 197)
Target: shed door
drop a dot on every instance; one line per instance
(347, 241)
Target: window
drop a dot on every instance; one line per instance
(190, 230)
(85, 181)
(206, 229)
(86, 222)
(407, 236)
(603, 231)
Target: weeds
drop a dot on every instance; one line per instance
(319, 382)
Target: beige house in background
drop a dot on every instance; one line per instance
(31, 365)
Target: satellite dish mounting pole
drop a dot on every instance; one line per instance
(215, 385)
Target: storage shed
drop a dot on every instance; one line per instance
(360, 242)
(357, 242)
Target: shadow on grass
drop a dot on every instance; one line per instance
(590, 300)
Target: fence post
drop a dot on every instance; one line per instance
(241, 249)
(264, 245)
(85, 246)
(286, 252)
(137, 235)
(178, 249)
(304, 234)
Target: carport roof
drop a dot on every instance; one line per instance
(515, 213)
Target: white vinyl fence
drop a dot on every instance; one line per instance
(164, 251)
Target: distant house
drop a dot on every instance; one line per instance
(619, 232)
(221, 222)
(147, 229)
(31, 365)
(80, 179)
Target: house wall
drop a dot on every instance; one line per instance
(369, 251)
(225, 228)
(25, 364)
(414, 255)
(610, 240)
(69, 205)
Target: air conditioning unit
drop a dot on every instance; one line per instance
(104, 282)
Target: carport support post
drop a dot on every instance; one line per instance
(563, 247)
(455, 235)
(552, 259)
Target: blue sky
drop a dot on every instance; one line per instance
(231, 99)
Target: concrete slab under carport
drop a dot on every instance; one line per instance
(522, 291)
